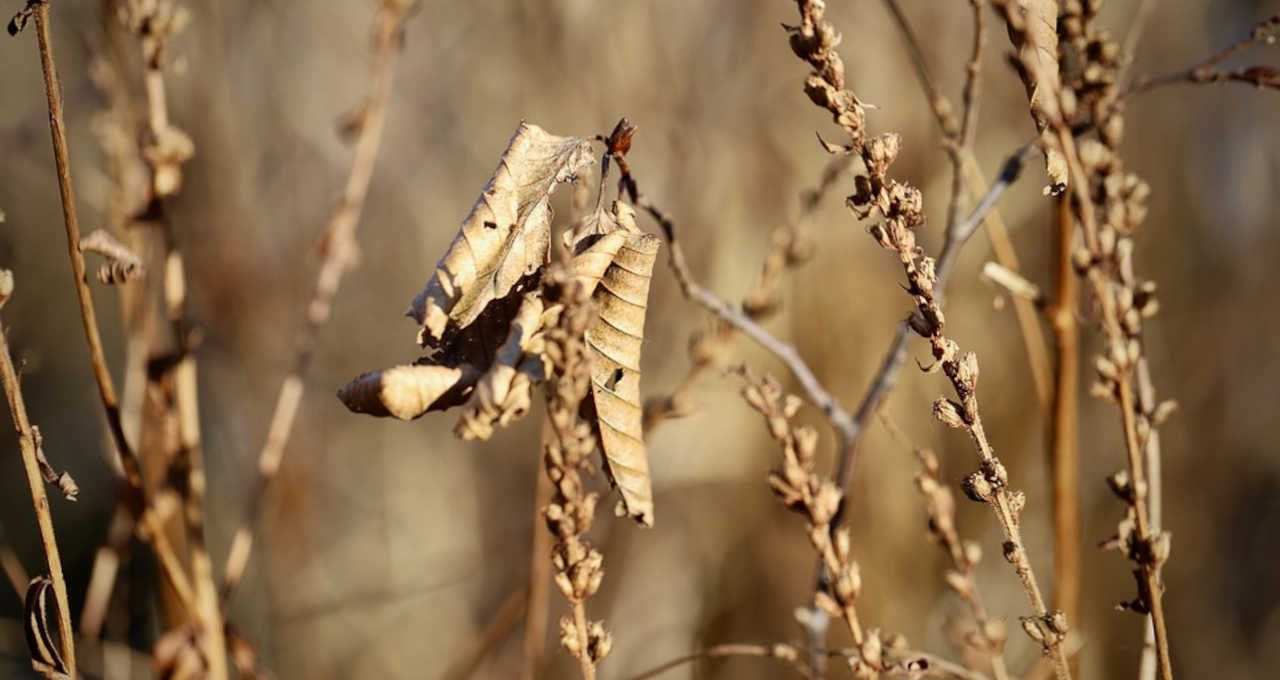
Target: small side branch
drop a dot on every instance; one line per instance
(1209, 70)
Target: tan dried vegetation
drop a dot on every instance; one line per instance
(522, 302)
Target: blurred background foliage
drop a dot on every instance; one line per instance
(387, 547)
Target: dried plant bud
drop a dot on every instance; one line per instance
(569, 636)
(848, 584)
(1120, 486)
(958, 582)
(949, 413)
(1017, 502)
(1056, 621)
(1163, 411)
(822, 600)
(601, 642)
(1033, 628)
(995, 473)
(871, 650)
(977, 488)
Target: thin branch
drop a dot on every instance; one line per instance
(62, 158)
(789, 247)
(942, 109)
(976, 185)
(1207, 71)
(35, 481)
(340, 256)
(841, 421)
(887, 375)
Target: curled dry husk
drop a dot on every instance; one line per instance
(482, 314)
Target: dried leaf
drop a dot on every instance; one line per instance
(44, 651)
(615, 259)
(507, 235)
(1038, 53)
(407, 392)
(503, 395)
(122, 264)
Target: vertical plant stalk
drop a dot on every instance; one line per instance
(1064, 456)
(578, 567)
(165, 150)
(88, 314)
(35, 481)
(535, 621)
(340, 255)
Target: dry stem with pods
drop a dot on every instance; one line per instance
(501, 317)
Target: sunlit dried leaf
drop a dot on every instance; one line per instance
(507, 235)
(122, 264)
(504, 393)
(615, 259)
(407, 392)
(1038, 53)
(40, 643)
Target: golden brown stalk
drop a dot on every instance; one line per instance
(1064, 424)
(535, 621)
(578, 567)
(340, 256)
(27, 441)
